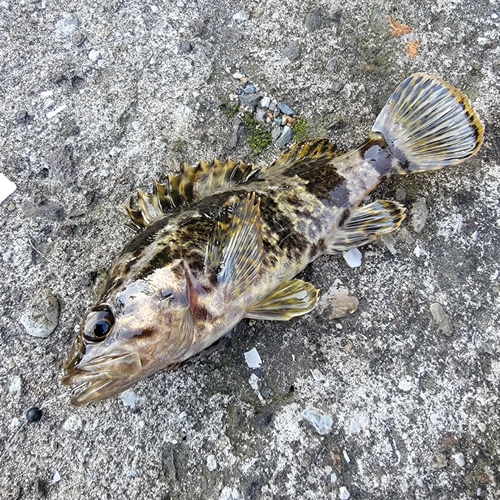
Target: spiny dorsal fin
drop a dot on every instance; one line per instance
(303, 157)
(193, 183)
(234, 252)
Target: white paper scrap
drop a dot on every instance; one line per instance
(6, 187)
(253, 359)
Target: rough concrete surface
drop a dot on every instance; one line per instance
(397, 400)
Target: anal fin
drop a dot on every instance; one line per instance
(365, 224)
(290, 299)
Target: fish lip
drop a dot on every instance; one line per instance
(104, 377)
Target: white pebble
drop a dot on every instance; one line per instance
(252, 358)
(73, 424)
(333, 477)
(46, 93)
(353, 257)
(56, 478)
(322, 422)
(264, 103)
(211, 463)
(481, 426)
(240, 16)
(459, 459)
(94, 55)
(344, 493)
(15, 423)
(346, 456)
(15, 385)
(130, 399)
(238, 75)
(434, 418)
(406, 384)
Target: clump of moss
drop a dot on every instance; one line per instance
(258, 137)
(230, 110)
(300, 128)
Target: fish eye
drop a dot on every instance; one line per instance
(98, 324)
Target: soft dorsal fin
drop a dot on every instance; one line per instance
(193, 183)
(303, 157)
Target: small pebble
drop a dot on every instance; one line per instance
(481, 426)
(291, 51)
(34, 414)
(459, 459)
(15, 385)
(285, 137)
(66, 26)
(238, 75)
(42, 314)
(249, 88)
(322, 422)
(400, 194)
(56, 478)
(441, 461)
(185, 47)
(314, 20)
(93, 55)
(241, 16)
(264, 103)
(344, 493)
(73, 424)
(353, 257)
(419, 214)
(211, 463)
(287, 110)
(442, 320)
(331, 65)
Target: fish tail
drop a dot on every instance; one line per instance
(428, 125)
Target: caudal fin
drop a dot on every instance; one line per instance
(428, 124)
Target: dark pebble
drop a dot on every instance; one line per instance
(257, 372)
(291, 51)
(250, 100)
(185, 47)
(24, 118)
(314, 20)
(34, 414)
(286, 110)
(336, 16)
(249, 89)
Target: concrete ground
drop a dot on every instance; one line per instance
(97, 98)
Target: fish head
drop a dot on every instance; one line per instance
(132, 332)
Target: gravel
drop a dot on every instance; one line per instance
(399, 391)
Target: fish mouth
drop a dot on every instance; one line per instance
(103, 378)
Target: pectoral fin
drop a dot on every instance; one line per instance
(234, 253)
(365, 224)
(290, 299)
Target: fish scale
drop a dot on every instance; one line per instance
(222, 241)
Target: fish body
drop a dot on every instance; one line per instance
(222, 241)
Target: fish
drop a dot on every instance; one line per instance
(223, 240)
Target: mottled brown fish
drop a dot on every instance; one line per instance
(223, 241)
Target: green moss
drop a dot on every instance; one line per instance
(258, 137)
(230, 110)
(300, 130)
